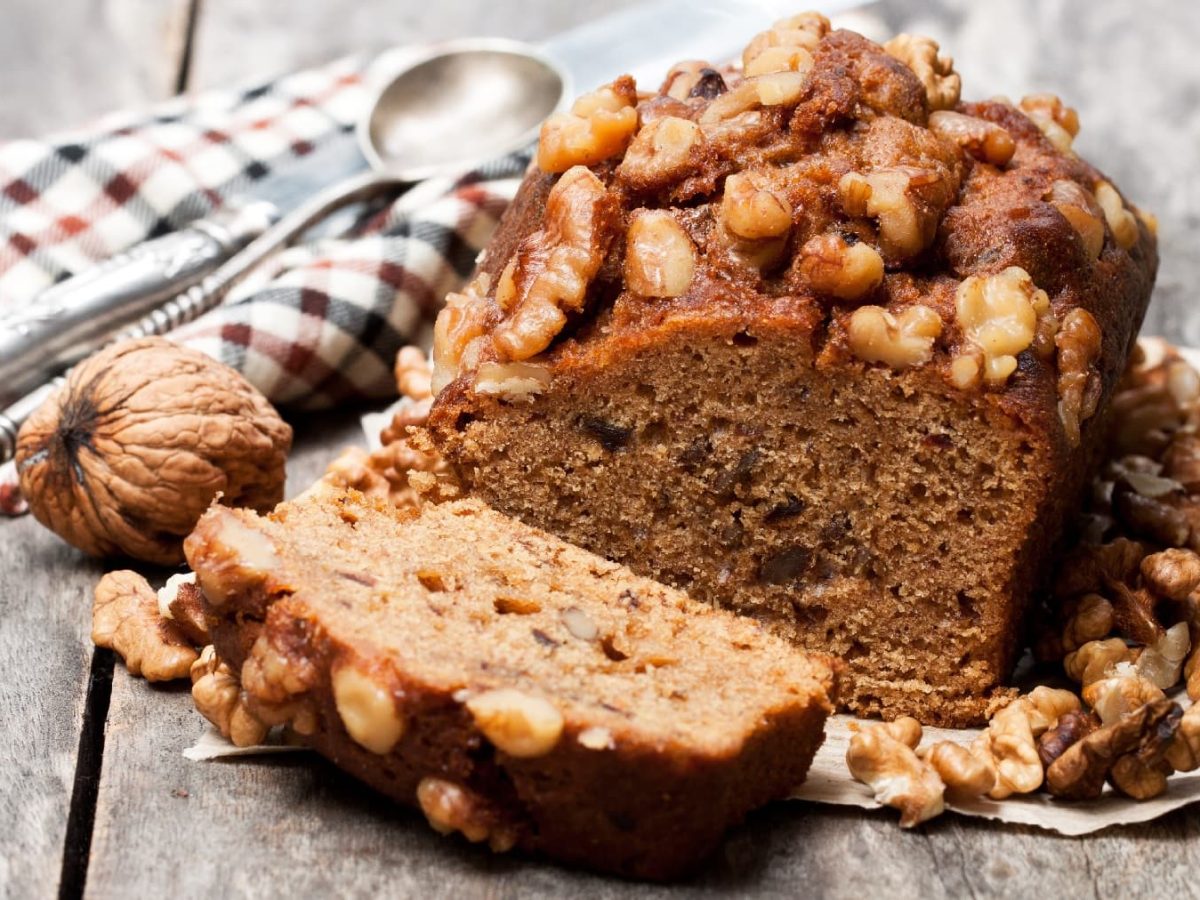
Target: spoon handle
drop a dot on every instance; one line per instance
(210, 291)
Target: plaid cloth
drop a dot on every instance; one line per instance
(323, 323)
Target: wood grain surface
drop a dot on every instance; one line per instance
(294, 826)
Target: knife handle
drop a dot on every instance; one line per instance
(73, 318)
(211, 290)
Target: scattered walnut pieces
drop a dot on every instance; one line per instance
(126, 457)
(125, 619)
(789, 40)
(218, 697)
(1130, 751)
(884, 757)
(967, 775)
(752, 210)
(599, 125)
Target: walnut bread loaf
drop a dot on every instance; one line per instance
(813, 340)
(517, 689)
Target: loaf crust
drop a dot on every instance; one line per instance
(433, 612)
(893, 499)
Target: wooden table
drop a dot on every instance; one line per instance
(94, 794)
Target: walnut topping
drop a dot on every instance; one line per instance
(1059, 122)
(842, 270)
(1079, 387)
(367, 709)
(218, 697)
(512, 381)
(125, 619)
(1079, 207)
(774, 89)
(752, 210)
(692, 78)
(802, 32)
(660, 258)
(998, 315)
(984, 140)
(449, 808)
(1120, 220)
(901, 341)
(663, 151)
(883, 757)
(556, 264)
(935, 71)
(780, 59)
(906, 227)
(519, 724)
(459, 333)
(599, 125)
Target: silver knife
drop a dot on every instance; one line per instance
(643, 40)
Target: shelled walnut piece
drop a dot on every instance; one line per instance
(125, 619)
(217, 694)
(888, 758)
(126, 456)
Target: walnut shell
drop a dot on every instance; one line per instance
(128, 454)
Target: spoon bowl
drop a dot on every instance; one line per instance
(459, 104)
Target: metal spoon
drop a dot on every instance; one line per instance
(442, 112)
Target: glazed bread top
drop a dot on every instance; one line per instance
(832, 186)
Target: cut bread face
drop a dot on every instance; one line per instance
(853, 510)
(581, 710)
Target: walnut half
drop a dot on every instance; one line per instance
(125, 619)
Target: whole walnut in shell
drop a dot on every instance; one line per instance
(128, 454)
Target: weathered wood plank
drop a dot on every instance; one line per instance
(64, 63)
(45, 653)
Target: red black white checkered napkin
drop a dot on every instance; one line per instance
(323, 324)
